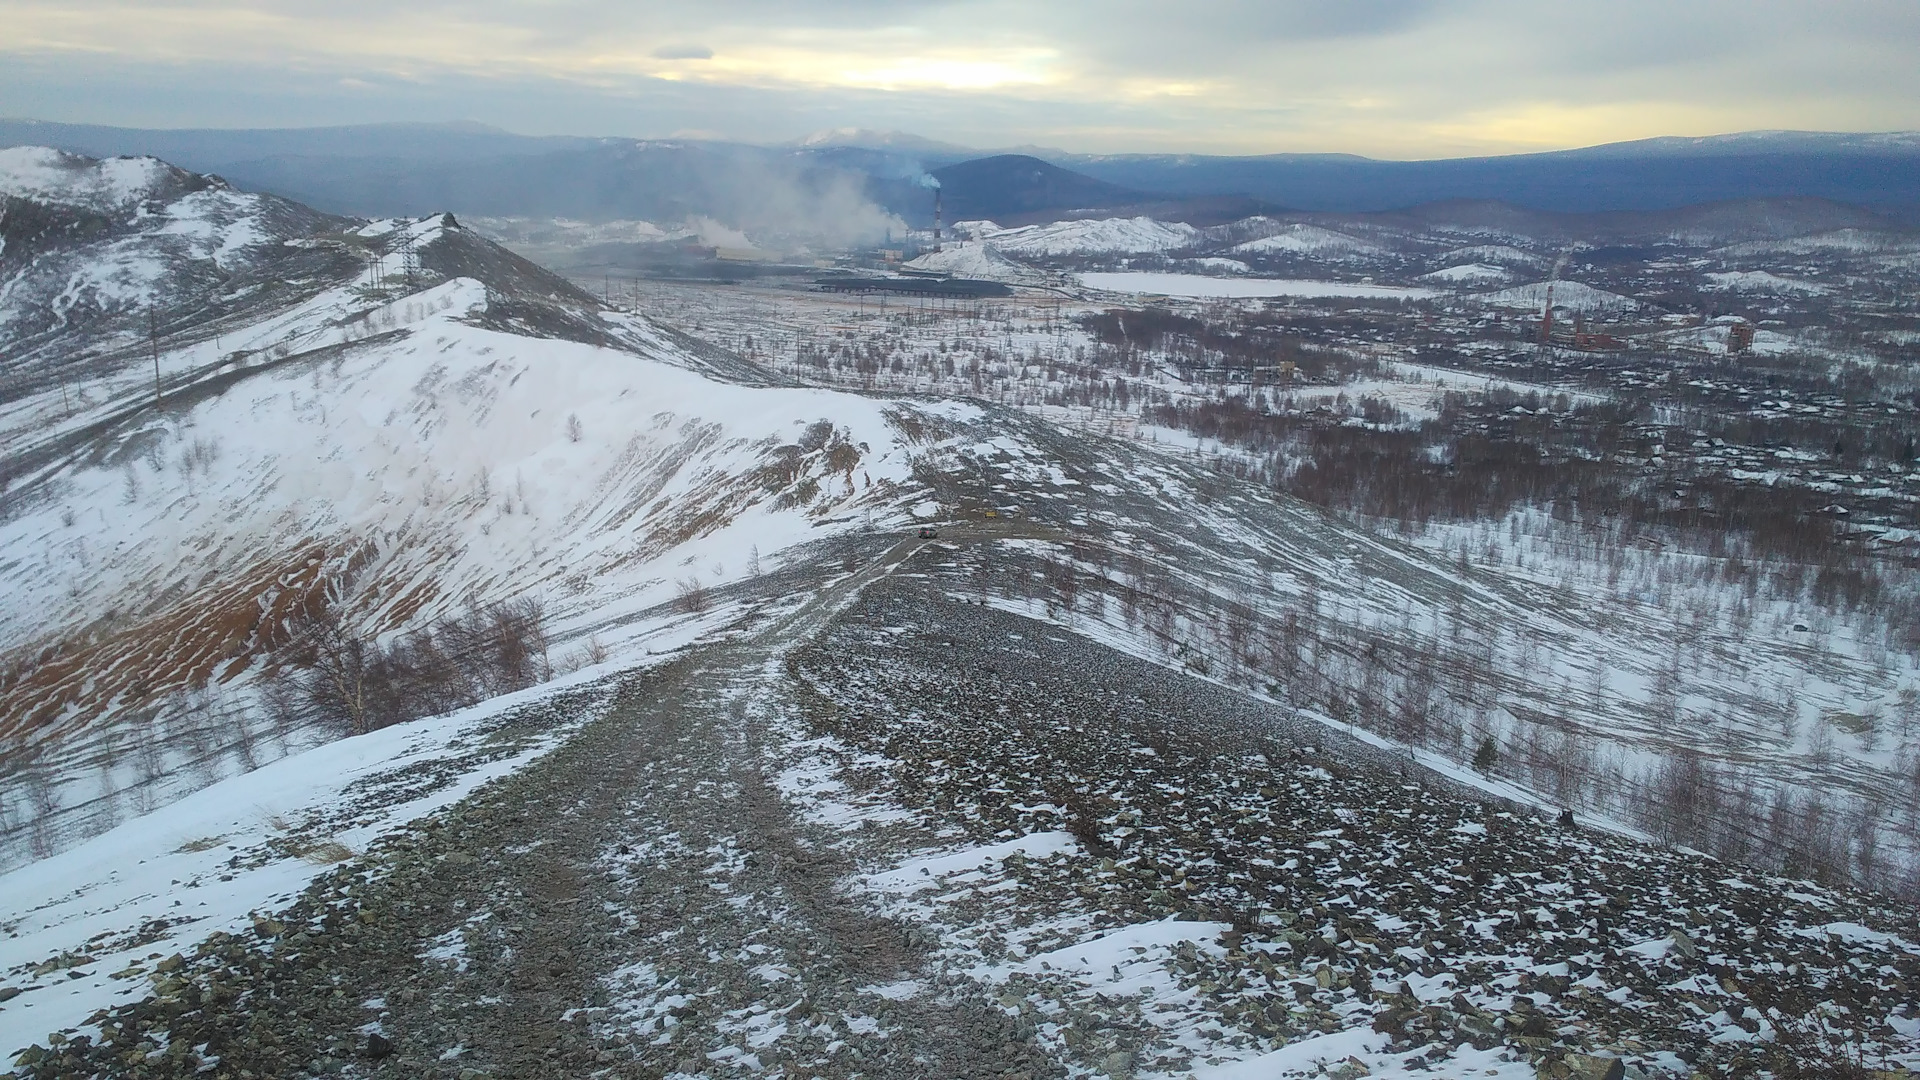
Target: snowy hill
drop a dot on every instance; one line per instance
(1760, 281)
(1568, 295)
(1104, 236)
(1303, 239)
(113, 186)
(1497, 254)
(1838, 241)
(1471, 274)
(409, 462)
(975, 259)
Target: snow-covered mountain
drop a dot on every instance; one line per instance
(115, 186)
(419, 422)
(99, 256)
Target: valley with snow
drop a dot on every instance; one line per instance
(1290, 646)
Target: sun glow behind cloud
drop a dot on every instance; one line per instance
(946, 73)
(883, 68)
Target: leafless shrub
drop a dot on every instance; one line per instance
(324, 853)
(1807, 1047)
(1682, 798)
(816, 435)
(343, 679)
(591, 653)
(690, 596)
(596, 651)
(333, 688)
(842, 457)
(43, 799)
(198, 458)
(800, 494)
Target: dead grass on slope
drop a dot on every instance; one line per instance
(208, 635)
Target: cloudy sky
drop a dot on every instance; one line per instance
(1388, 78)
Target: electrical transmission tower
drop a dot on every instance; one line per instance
(408, 257)
(1545, 347)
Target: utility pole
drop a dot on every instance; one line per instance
(153, 342)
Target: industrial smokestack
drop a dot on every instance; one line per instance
(936, 215)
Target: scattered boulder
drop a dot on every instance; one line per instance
(378, 1046)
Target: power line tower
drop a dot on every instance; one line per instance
(409, 259)
(1545, 348)
(1546, 321)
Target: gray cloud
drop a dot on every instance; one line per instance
(682, 52)
(1389, 77)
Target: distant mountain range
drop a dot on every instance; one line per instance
(1881, 171)
(813, 183)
